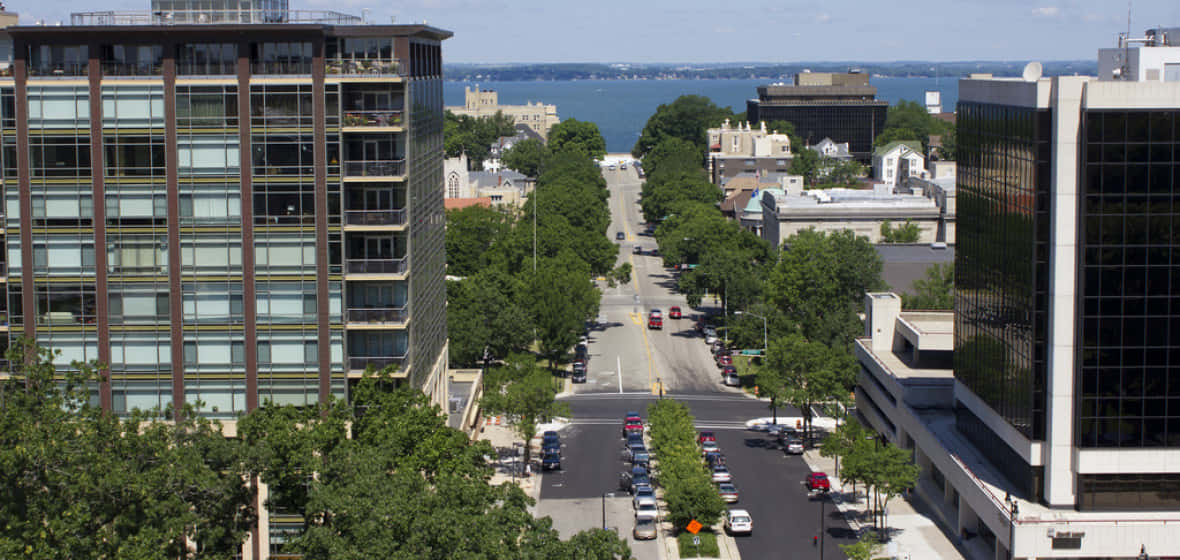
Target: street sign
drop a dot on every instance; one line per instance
(755, 352)
(694, 526)
(696, 540)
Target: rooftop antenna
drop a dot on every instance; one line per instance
(1127, 43)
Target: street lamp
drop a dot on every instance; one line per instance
(1143, 553)
(604, 497)
(764, 347)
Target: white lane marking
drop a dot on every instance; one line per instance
(619, 369)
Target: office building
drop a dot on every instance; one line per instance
(1058, 433)
(790, 210)
(842, 107)
(229, 212)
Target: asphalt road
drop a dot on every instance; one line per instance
(626, 359)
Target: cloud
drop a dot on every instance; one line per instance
(1046, 12)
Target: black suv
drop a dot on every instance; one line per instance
(551, 461)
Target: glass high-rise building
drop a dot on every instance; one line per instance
(226, 210)
(1067, 312)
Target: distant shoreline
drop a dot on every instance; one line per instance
(567, 72)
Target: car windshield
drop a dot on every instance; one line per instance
(720, 469)
(741, 519)
(645, 523)
(728, 488)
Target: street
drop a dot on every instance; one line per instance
(626, 363)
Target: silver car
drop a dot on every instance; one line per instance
(645, 529)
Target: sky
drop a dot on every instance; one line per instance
(688, 31)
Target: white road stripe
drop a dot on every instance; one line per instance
(619, 369)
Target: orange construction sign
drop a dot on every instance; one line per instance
(694, 526)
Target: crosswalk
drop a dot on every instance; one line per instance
(704, 425)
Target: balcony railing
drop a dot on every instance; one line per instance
(60, 69)
(132, 69)
(379, 315)
(375, 217)
(373, 118)
(388, 168)
(374, 67)
(377, 266)
(378, 362)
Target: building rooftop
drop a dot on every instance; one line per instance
(840, 199)
(911, 144)
(486, 179)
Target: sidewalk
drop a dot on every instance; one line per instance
(510, 450)
(913, 536)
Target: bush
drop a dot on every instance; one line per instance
(708, 548)
(688, 489)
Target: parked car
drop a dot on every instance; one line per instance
(633, 438)
(620, 236)
(714, 458)
(641, 458)
(702, 437)
(728, 492)
(638, 476)
(709, 447)
(726, 370)
(674, 312)
(550, 441)
(711, 338)
(638, 250)
(643, 494)
(731, 379)
(724, 360)
(739, 521)
(794, 446)
(579, 376)
(721, 474)
(818, 482)
(579, 367)
(647, 511)
(551, 460)
(632, 424)
(645, 529)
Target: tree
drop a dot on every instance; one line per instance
(909, 120)
(820, 281)
(384, 477)
(527, 156)
(668, 192)
(807, 373)
(80, 482)
(486, 312)
(562, 298)
(806, 164)
(935, 291)
(525, 393)
(868, 547)
(472, 232)
(674, 157)
(686, 118)
(578, 135)
(688, 488)
(842, 442)
(474, 135)
(909, 232)
(841, 173)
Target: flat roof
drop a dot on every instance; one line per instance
(901, 370)
(45, 31)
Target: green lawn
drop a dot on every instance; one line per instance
(708, 548)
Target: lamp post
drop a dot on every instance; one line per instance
(604, 497)
(764, 345)
(1143, 553)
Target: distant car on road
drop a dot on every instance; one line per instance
(551, 461)
(739, 521)
(643, 495)
(731, 379)
(721, 474)
(706, 436)
(620, 236)
(579, 372)
(818, 482)
(714, 458)
(655, 320)
(709, 447)
(728, 492)
(794, 446)
(647, 511)
(638, 249)
(724, 360)
(674, 312)
(550, 441)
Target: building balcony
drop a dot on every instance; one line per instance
(379, 315)
(369, 119)
(388, 168)
(362, 67)
(375, 217)
(377, 266)
(378, 363)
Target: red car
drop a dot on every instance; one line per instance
(724, 360)
(632, 424)
(706, 436)
(726, 370)
(674, 312)
(655, 320)
(818, 482)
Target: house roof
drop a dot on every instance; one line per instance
(737, 199)
(460, 203)
(911, 144)
(495, 179)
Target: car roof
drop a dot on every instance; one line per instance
(721, 468)
(644, 488)
(736, 512)
(726, 486)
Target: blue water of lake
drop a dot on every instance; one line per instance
(621, 107)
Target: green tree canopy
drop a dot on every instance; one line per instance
(526, 156)
(935, 291)
(472, 233)
(576, 134)
(474, 135)
(79, 482)
(909, 232)
(673, 157)
(669, 192)
(563, 298)
(487, 311)
(820, 281)
(909, 120)
(806, 164)
(686, 118)
(803, 373)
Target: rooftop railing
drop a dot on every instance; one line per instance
(199, 17)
